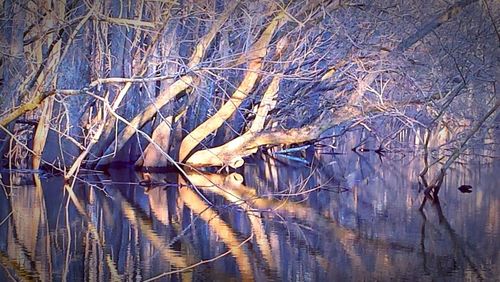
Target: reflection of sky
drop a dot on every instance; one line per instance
(362, 224)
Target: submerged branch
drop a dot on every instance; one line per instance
(435, 185)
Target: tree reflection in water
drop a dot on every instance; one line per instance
(342, 217)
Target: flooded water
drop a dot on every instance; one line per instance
(328, 218)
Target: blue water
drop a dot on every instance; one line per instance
(329, 218)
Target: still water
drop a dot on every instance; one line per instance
(328, 218)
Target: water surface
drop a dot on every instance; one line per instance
(336, 217)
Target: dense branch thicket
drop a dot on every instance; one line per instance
(207, 83)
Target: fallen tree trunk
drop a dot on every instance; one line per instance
(233, 152)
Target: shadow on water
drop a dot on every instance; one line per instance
(329, 217)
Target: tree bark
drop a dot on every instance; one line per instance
(176, 88)
(256, 55)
